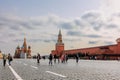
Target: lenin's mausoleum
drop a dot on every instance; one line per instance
(109, 52)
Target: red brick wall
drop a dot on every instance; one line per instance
(112, 49)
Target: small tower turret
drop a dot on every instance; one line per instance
(29, 52)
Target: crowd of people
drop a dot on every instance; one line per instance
(63, 58)
(55, 58)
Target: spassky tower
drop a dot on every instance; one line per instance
(59, 44)
(59, 48)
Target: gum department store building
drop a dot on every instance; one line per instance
(109, 52)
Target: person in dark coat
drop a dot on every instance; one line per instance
(58, 57)
(9, 59)
(4, 60)
(77, 58)
(50, 59)
(38, 58)
(66, 57)
(55, 57)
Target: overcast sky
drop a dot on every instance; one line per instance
(84, 23)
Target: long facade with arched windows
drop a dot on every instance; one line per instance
(106, 52)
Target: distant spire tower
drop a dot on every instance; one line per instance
(59, 41)
(59, 44)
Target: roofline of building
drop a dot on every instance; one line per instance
(91, 47)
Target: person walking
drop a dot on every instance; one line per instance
(38, 58)
(66, 57)
(4, 60)
(55, 57)
(63, 58)
(50, 59)
(58, 57)
(9, 59)
(77, 58)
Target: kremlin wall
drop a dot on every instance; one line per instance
(109, 52)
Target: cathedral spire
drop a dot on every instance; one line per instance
(25, 45)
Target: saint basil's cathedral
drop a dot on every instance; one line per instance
(24, 51)
(107, 52)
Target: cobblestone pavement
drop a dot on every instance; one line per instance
(84, 70)
(5, 72)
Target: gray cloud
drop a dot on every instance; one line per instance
(36, 40)
(36, 23)
(28, 40)
(2, 42)
(73, 27)
(72, 40)
(15, 23)
(18, 40)
(12, 35)
(116, 14)
(108, 42)
(66, 25)
(1, 24)
(97, 25)
(74, 33)
(71, 46)
(111, 26)
(16, 28)
(93, 42)
(89, 20)
(93, 36)
(90, 16)
(47, 41)
(80, 23)
(26, 25)
(94, 19)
